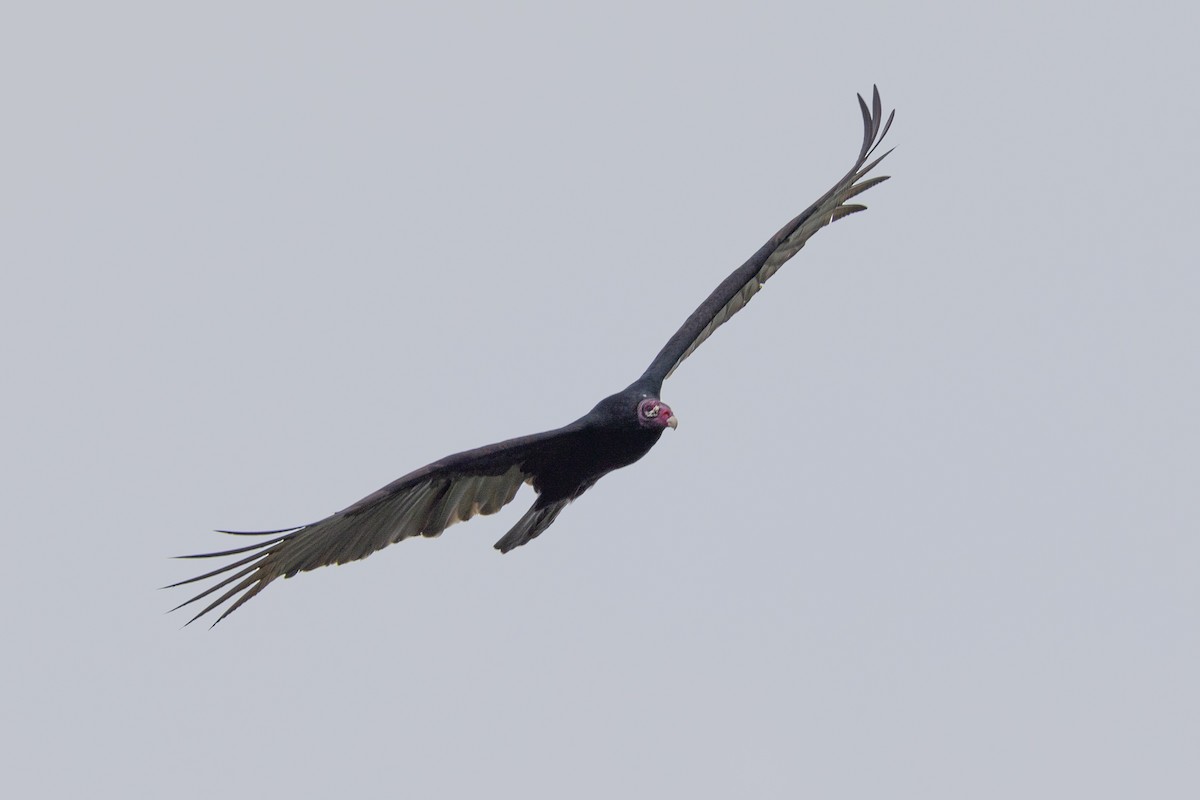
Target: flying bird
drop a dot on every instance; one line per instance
(560, 464)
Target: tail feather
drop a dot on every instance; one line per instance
(530, 526)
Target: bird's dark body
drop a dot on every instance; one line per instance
(560, 464)
(576, 462)
(603, 440)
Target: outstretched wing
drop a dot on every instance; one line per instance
(736, 290)
(422, 503)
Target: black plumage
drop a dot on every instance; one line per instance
(560, 464)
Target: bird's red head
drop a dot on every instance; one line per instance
(654, 413)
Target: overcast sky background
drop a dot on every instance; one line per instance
(927, 528)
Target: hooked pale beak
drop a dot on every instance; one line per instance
(672, 422)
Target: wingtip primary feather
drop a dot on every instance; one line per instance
(264, 533)
(868, 134)
(886, 127)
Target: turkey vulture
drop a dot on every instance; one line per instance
(560, 464)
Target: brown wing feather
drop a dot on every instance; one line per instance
(422, 503)
(736, 290)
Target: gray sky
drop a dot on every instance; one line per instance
(927, 528)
